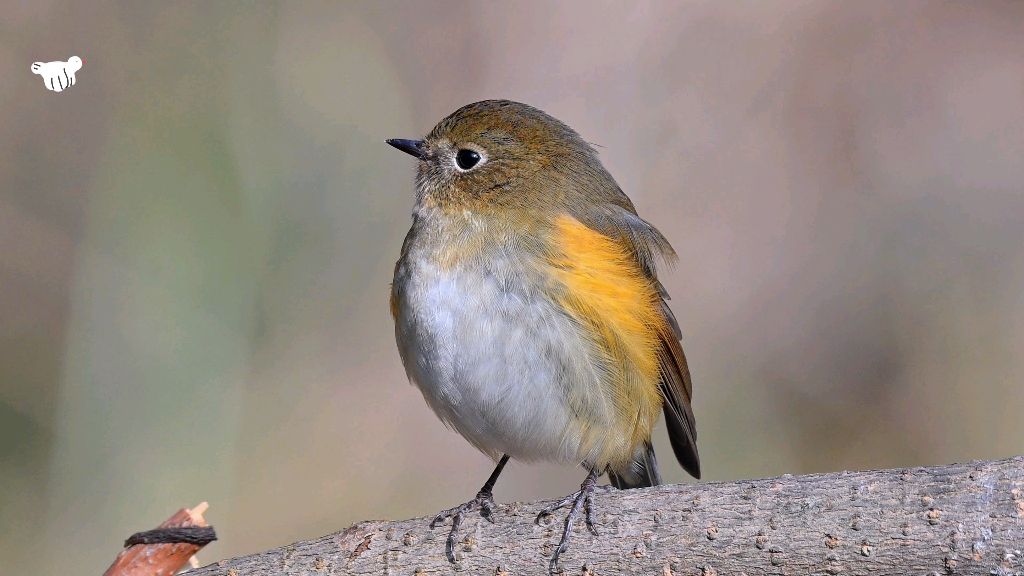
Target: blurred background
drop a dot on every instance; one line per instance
(196, 242)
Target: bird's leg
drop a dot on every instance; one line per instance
(484, 501)
(582, 499)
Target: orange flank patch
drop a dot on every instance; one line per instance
(392, 303)
(603, 288)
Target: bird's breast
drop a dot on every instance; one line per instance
(492, 355)
(512, 348)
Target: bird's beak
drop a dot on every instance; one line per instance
(413, 147)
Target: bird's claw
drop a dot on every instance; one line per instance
(588, 504)
(584, 498)
(484, 501)
(549, 510)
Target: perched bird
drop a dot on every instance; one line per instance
(528, 309)
(58, 75)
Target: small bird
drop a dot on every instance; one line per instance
(58, 75)
(528, 309)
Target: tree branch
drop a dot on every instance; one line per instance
(957, 519)
(162, 559)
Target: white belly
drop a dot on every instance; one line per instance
(496, 360)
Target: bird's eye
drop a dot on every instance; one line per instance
(466, 159)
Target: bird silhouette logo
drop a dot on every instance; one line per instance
(58, 75)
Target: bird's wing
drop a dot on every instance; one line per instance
(648, 245)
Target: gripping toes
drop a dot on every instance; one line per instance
(482, 501)
(584, 499)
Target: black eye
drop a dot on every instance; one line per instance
(466, 159)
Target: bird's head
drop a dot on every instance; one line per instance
(503, 155)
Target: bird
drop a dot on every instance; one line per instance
(528, 309)
(58, 75)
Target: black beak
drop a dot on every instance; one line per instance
(414, 147)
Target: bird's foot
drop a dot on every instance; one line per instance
(484, 501)
(584, 498)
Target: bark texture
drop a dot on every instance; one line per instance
(957, 519)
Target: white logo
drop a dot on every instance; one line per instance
(58, 75)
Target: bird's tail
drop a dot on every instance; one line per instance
(642, 472)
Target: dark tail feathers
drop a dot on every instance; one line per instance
(642, 473)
